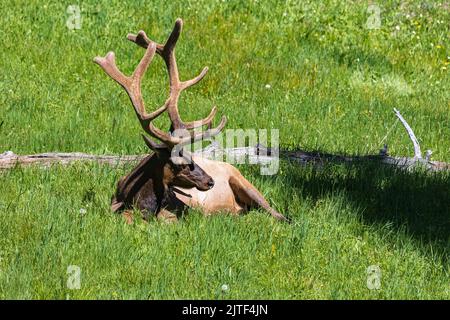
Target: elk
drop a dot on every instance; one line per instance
(169, 179)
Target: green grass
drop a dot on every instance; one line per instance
(333, 85)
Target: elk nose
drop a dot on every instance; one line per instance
(211, 183)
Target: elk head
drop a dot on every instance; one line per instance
(176, 165)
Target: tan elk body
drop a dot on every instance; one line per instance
(170, 179)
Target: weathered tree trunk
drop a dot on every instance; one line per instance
(259, 155)
(9, 159)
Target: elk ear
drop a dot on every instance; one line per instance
(156, 147)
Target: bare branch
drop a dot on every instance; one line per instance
(412, 136)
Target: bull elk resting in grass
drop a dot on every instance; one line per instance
(169, 180)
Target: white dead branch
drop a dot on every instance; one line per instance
(412, 136)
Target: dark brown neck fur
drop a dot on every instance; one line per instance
(145, 188)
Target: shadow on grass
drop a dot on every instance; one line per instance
(418, 202)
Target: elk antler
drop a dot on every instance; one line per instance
(132, 85)
(167, 52)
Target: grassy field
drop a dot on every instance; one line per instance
(311, 69)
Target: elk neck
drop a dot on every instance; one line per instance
(147, 179)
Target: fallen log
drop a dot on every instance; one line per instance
(9, 159)
(255, 155)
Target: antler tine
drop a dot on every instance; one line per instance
(174, 35)
(205, 121)
(188, 83)
(194, 137)
(132, 84)
(152, 145)
(189, 137)
(143, 41)
(168, 54)
(108, 64)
